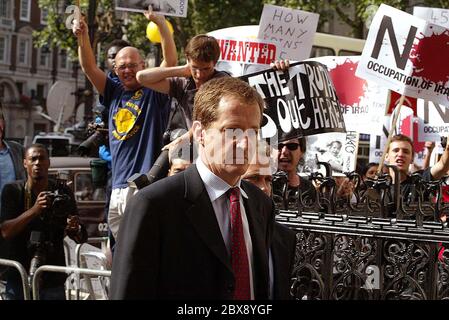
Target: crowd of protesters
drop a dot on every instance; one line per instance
(206, 231)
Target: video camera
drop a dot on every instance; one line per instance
(161, 165)
(97, 132)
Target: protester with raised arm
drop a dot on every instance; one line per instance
(137, 115)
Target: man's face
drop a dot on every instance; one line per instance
(178, 165)
(400, 155)
(259, 176)
(289, 155)
(2, 129)
(110, 61)
(36, 163)
(230, 141)
(201, 71)
(127, 63)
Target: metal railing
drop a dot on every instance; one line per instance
(23, 275)
(68, 270)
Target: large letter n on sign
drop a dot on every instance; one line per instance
(387, 25)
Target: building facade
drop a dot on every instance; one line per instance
(27, 73)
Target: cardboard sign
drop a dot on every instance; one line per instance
(433, 15)
(337, 149)
(301, 101)
(176, 8)
(407, 54)
(247, 51)
(293, 29)
(362, 101)
(433, 121)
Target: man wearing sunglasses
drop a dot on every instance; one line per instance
(290, 152)
(137, 115)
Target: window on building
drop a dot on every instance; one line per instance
(3, 49)
(40, 90)
(25, 10)
(24, 48)
(5, 8)
(20, 87)
(44, 56)
(44, 14)
(63, 59)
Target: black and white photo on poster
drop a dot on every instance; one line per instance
(301, 101)
(176, 8)
(337, 149)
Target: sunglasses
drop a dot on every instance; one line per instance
(290, 146)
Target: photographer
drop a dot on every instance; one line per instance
(36, 215)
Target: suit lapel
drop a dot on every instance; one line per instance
(201, 215)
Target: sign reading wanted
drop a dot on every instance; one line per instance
(302, 99)
(176, 8)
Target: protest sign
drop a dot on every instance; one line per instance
(362, 101)
(176, 8)
(293, 29)
(407, 54)
(337, 149)
(247, 51)
(302, 100)
(393, 100)
(433, 15)
(433, 121)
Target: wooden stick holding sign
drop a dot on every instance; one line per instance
(397, 111)
(78, 21)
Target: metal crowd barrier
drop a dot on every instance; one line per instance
(94, 240)
(23, 275)
(49, 268)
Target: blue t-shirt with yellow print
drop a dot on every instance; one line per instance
(137, 121)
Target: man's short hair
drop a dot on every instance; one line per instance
(207, 99)
(401, 137)
(37, 146)
(203, 48)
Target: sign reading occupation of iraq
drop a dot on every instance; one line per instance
(408, 57)
(302, 99)
(176, 8)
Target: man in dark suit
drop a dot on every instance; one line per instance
(202, 233)
(283, 244)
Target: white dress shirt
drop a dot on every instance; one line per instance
(216, 189)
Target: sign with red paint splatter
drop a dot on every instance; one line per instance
(433, 121)
(393, 100)
(362, 101)
(301, 101)
(408, 55)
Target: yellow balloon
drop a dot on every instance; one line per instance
(153, 31)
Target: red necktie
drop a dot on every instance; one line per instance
(239, 256)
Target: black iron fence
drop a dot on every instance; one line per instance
(381, 242)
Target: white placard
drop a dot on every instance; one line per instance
(433, 15)
(293, 29)
(407, 54)
(176, 8)
(433, 121)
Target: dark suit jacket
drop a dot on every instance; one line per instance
(283, 248)
(170, 246)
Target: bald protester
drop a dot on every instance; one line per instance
(137, 115)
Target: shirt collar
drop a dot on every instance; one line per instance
(215, 186)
